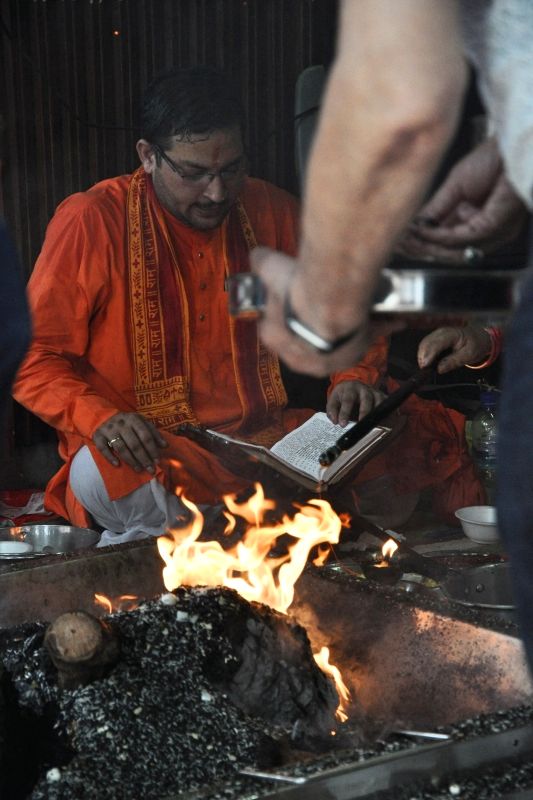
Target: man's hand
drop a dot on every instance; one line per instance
(350, 396)
(278, 273)
(130, 438)
(470, 345)
(475, 207)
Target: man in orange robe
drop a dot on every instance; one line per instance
(132, 335)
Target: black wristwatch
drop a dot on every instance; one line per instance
(309, 336)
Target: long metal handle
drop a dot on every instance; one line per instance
(374, 417)
(425, 566)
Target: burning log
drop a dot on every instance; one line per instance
(81, 647)
(271, 672)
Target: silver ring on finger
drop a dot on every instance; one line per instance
(472, 255)
(112, 442)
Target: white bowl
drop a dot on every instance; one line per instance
(15, 548)
(479, 523)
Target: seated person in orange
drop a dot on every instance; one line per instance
(132, 335)
(431, 451)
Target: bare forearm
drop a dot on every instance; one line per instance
(391, 106)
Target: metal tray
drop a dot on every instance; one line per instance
(47, 540)
(488, 586)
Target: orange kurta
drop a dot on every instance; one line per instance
(79, 371)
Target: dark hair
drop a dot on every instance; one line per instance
(187, 102)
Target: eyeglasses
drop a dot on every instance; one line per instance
(202, 177)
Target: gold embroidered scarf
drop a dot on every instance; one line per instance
(160, 320)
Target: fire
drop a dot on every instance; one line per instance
(125, 602)
(389, 548)
(322, 659)
(247, 567)
(345, 519)
(323, 553)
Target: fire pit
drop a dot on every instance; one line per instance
(418, 669)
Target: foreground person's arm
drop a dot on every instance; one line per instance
(390, 108)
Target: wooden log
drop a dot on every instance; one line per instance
(82, 648)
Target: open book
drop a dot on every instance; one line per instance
(297, 454)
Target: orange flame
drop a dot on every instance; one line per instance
(101, 599)
(230, 527)
(247, 567)
(389, 548)
(125, 602)
(323, 553)
(322, 659)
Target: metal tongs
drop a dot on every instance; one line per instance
(374, 417)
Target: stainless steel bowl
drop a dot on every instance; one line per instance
(47, 539)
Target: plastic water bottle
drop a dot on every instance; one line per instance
(484, 433)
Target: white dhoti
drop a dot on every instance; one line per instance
(147, 511)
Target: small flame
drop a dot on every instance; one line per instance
(322, 659)
(345, 519)
(248, 567)
(389, 548)
(104, 601)
(323, 553)
(232, 522)
(125, 602)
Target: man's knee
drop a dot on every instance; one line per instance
(85, 480)
(149, 509)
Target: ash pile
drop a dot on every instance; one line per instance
(192, 687)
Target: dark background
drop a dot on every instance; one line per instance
(72, 73)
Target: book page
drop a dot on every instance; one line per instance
(344, 462)
(302, 447)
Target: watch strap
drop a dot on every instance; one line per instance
(309, 336)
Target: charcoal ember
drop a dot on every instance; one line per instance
(30, 667)
(167, 719)
(29, 694)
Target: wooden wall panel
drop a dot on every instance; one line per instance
(72, 72)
